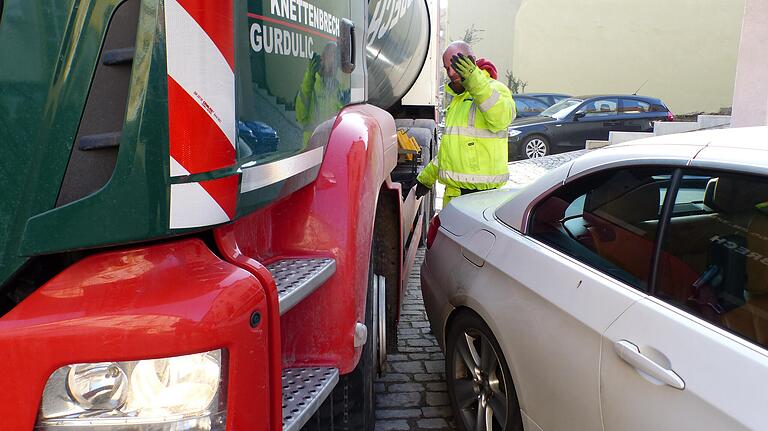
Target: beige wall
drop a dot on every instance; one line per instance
(686, 49)
(496, 17)
(750, 100)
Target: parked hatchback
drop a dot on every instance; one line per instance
(568, 124)
(625, 290)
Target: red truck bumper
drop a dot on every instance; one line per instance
(159, 301)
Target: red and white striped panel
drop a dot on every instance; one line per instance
(203, 203)
(201, 108)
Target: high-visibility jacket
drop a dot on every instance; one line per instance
(318, 100)
(473, 153)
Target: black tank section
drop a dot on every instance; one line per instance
(397, 43)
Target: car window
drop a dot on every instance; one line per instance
(529, 105)
(521, 105)
(600, 107)
(561, 109)
(607, 220)
(633, 106)
(714, 256)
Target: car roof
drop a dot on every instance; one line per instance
(546, 94)
(523, 96)
(739, 149)
(736, 148)
(624, 96)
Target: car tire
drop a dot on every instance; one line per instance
(478, 378)
(535, 146)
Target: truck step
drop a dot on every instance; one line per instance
(304, 390)
(297, 278)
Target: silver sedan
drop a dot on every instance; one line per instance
(624, 290)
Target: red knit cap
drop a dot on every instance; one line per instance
(487, 66)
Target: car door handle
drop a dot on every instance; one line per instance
(630, 353)
(611, 123)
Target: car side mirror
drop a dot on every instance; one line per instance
(579, 115)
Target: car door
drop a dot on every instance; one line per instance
(593, 120)
(565, 286)
(635, 116)
(692, 356)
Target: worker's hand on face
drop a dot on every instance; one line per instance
(309, 76)
(314, 63)
(463, 65)
(421, 190)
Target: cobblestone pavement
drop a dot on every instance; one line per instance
(412, 394)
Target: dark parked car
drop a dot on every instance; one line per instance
(528, 106)
(548, 98)
(568, 124)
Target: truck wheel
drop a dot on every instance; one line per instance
(353, 396)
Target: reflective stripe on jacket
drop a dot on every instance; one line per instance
(473, 153)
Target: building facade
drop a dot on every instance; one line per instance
(684, 51)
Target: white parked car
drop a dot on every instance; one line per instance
(624, 290)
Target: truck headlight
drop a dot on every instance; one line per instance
(167, 394)
(513, 132)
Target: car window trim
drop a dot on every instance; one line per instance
(624, 100)
(594, 102)
(664, 220)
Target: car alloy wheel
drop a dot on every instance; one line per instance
(479, 383)
(536, 147)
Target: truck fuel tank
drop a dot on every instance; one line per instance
(397, 42)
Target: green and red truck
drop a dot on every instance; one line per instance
(206, 220)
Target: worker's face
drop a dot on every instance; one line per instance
(329, 60)
(452, 75)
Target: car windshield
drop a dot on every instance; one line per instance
(560, 109)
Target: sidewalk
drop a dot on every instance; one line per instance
(412, 394)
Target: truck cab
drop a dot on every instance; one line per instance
(206, 219)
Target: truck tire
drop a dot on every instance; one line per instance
(353, 397)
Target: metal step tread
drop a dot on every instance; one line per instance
(304, 390)
(297, 278)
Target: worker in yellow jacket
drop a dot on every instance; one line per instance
(473, 153)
